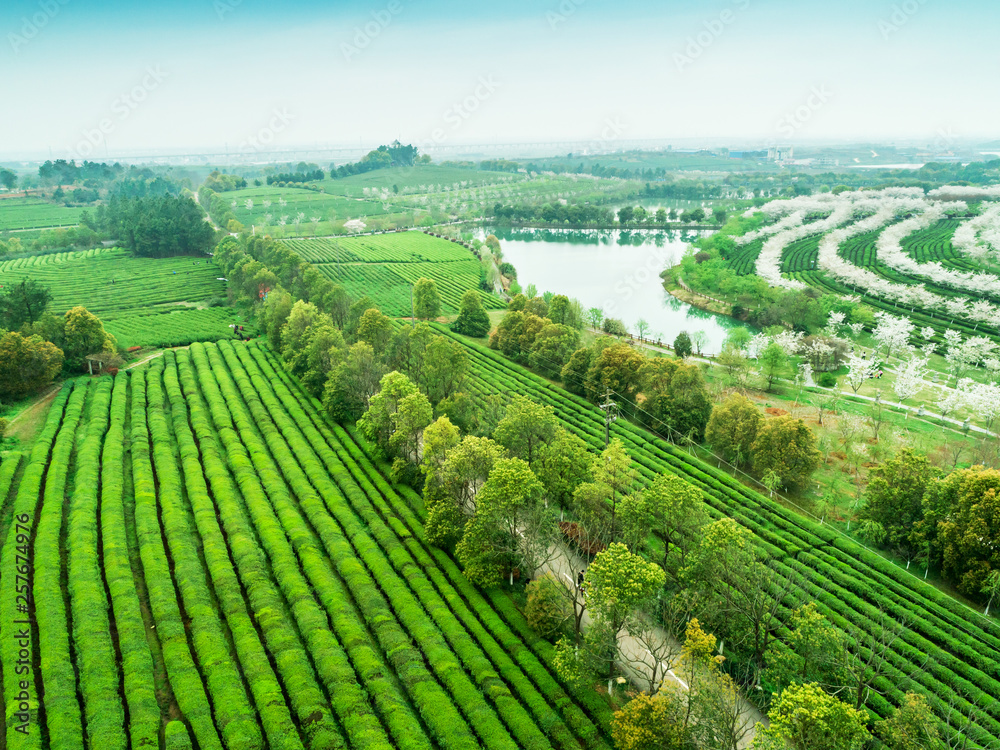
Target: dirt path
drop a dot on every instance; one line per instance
(26, 424)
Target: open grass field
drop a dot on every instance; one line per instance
(35, 213)
(206, 553)
(947, 652)
(142, 301)
(385, 266)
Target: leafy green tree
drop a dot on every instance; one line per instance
(553, 346)
(377, 422)
(323, 354)
(526, 427)
(894, 500)
(733, 427)
(559, 310)
(354, 313)
(617, 583)
(23, 303)
(26, 364)
(375, 329)
(595, 316)
(616, 369)
(515, 336)
(650, 722)
(787, 447)
(296, 331)
(967, 529)
(472, 318)
(347, 393)
(803, 717)
(466, 467)
(8, 179)
(676, 511)
(84, 334)
(426, 300)
(574, 372)
(511, 528)
(682, 345)
(562, 464)
(719, 215)
(772, 363)
(809, 653)
(912, 726)
(275, 310)
(615, 475)
(412, 416)
(158, 226)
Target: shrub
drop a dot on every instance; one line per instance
(828, 380)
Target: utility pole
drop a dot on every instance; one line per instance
(610, 409)
(413, 310)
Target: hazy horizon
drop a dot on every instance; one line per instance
(249, 76)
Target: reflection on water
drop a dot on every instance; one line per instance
(615, 270)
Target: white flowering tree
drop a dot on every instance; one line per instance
(910, 379)
(860, 371)
(892, 333)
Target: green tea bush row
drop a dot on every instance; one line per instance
(233, 711)
(62, 704)
(12, 558)
(136, 659)
(95, 652)
(185, 680)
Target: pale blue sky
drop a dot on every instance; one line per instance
(763, 70)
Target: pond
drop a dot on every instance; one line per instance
(615, 270)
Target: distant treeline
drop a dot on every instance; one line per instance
(393, 155)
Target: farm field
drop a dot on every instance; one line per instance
(286, 597)
(946, 651)
(142, 301)
(35, 213)
(417, 179)
(385, 266)
(313, 205)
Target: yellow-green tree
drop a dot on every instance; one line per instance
(804, 717)
(649, 722)
(787, 447)
(26, 364)
(732, 428)
(84, 334)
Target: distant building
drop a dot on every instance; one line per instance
(780, 153)
(748, 154)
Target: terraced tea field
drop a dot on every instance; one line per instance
(385, 266)
(35, 213)
(142, 301)
(284, 596)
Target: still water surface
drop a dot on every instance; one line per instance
(615, 270)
